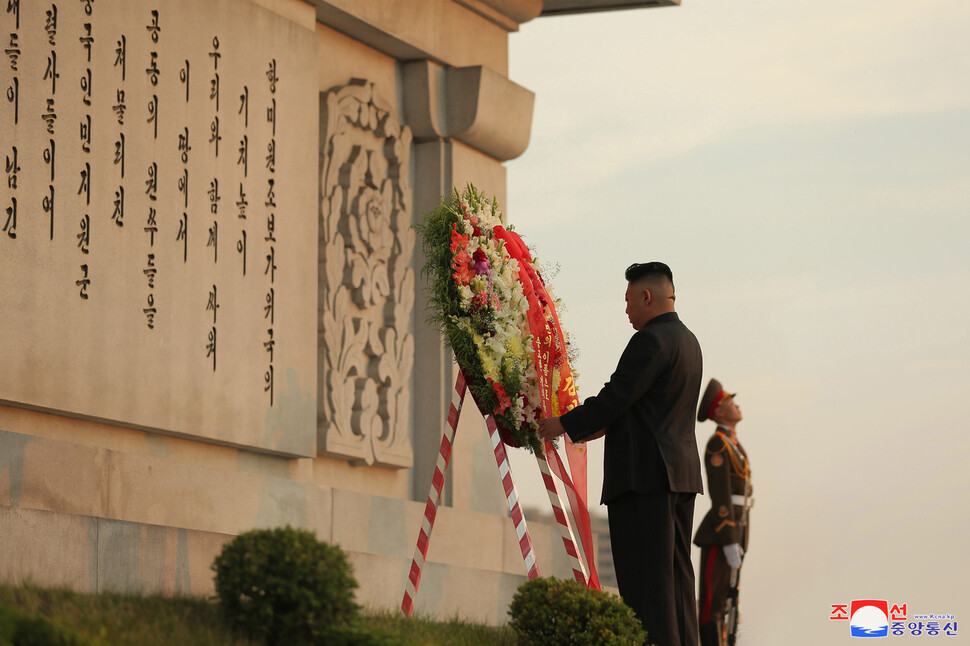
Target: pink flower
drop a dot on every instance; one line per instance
(482, 266)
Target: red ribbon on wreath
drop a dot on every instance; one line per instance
(549, 350)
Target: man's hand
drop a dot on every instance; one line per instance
(550, 428)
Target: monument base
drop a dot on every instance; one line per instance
(150, 514)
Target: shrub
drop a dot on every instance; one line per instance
(21, 629)
(556, 612)
(284, 586)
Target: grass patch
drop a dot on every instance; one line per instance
(456, 632)
(132, 620)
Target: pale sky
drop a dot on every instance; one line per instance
(804, 168)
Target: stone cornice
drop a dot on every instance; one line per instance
(474, 105)
(563, 7)
(434, 29)
(506, 13)
(488, 111)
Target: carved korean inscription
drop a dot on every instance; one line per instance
(133, 289)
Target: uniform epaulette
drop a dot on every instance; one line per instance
(720, 450)
(739, 463)
(724, 443)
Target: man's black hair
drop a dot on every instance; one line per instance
(654, 269)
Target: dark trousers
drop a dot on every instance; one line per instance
(651, 536)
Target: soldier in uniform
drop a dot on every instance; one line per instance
(723, 534)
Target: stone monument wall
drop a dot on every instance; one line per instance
(211, 318)
(158, 256)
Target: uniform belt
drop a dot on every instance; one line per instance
(741, 501)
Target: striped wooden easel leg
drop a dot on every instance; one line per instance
(512, 498)
(434, 496)
(562, 519)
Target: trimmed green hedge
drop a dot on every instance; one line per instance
(556, 612)
(285, 586)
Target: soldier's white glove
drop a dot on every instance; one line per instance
(733, 554)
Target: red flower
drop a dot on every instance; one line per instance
(503, 398)
(480, 300)
(463, 273)
(461, 263)
(458, 241)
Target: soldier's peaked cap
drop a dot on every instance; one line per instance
(713, 396)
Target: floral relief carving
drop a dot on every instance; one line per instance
(366, 281)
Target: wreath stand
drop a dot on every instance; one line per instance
(580, 571)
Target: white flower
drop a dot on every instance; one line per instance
(478, 284)
(497, 345)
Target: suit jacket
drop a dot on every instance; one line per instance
(728, 474)
(647, 408)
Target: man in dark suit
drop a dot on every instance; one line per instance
(651, 469)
